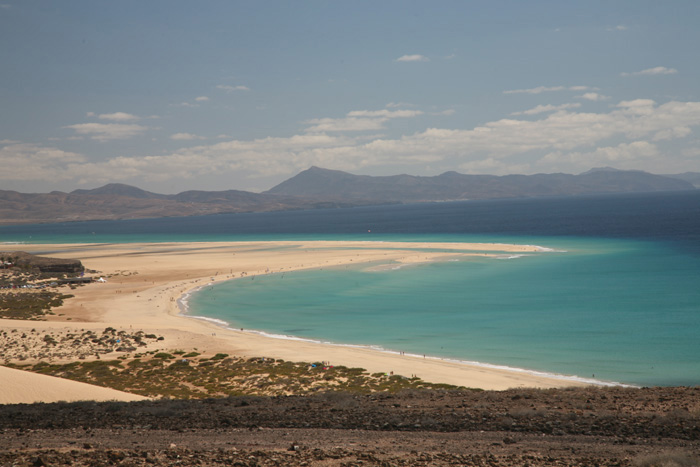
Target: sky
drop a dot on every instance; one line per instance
(178, 95)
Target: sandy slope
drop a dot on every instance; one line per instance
(22, 387)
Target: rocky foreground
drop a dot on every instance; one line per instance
(589, 426)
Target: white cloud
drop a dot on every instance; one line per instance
(619, 27)
(541, 89)
(593, 96)
(385, 113)
(22, 161)
(624, 155)
(672, 133)
(185, 137)
(659, 70)
(630, 134)
(393, 105)
(322, 125)
(107, 131)
(562, 139)
(118, 117)
(547, 108)
(413, 58)
(562, 131)
(201, 99)
(692, 152)
(637, 106)
(227, 88)
(359, 120)
(446, 112)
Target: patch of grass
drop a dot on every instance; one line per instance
(29, 305)
(222, 375)
(164, 356)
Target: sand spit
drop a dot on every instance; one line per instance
(145, 282)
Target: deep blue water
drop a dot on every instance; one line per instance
(673, 216)
(620, 299)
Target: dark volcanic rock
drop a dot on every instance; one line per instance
(44, 264)
(576, 427)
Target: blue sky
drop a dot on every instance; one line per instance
(177, 95)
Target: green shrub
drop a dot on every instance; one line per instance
(164, 356)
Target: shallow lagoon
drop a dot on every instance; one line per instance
(600, 308)
(622, 301)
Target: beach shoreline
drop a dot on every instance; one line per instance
(146, 283)
(379, 349)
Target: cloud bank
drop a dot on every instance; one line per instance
(560, 138)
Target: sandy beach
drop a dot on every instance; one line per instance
(145, 282)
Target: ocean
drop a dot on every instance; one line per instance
(615, 296)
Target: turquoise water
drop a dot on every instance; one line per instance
(621, 300)
(624, 311)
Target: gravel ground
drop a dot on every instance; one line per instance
(590, 426)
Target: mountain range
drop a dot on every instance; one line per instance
(333, 184)
(317, 188)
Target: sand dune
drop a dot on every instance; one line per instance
(22, 387)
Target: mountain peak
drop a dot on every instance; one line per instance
(118, 189)
(613, 170)
(601, 169)
(314, 181)
(317, 182)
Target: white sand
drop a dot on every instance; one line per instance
(23, 387)
(145, 281)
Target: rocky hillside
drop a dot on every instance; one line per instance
(117, 201)
(333, 184)
(321, 188)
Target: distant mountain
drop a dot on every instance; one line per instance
(119, 189)
(333, 185)
(322, 188)
(691, 177)
(117, 201)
